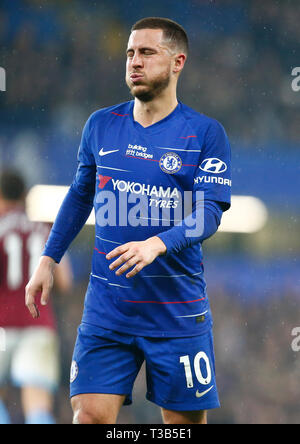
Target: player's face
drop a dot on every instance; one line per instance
(149, 64)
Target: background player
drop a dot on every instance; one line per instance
(30, 360)
(162, 315)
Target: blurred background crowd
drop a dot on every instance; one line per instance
(65, 59)
(242, 51)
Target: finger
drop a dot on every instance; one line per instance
(136, 270)
(128, 265)
(37, 312)
(45, 296)
(30, 304)
(34, 311)
(124, 258)
(117, 251)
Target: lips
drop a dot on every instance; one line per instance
(135, 77)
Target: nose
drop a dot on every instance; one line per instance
(136, 60)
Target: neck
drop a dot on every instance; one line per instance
(148, 113)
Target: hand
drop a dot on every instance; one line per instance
(41, 281)
(137, 255)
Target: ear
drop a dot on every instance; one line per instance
(179, 62)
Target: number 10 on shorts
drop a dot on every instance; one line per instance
(204, 380)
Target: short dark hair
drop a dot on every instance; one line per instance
(172, 31)
(12, 185)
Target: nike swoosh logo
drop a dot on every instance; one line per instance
(199, 395)
(104, 153)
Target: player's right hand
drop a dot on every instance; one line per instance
(40, 282)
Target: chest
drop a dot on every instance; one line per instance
(166, 158)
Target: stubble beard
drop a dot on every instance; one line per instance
(155, 88)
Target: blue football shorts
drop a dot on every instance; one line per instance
(180, 372)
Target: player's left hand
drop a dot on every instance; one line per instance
(137, 255)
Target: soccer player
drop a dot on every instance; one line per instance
(29, 352)
(139, 162)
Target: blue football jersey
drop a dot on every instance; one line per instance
(140, 176)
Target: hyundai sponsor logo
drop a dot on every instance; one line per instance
(212, 179)
(213, 165)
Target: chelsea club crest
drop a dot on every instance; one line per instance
(74, 371)
(170, 163)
